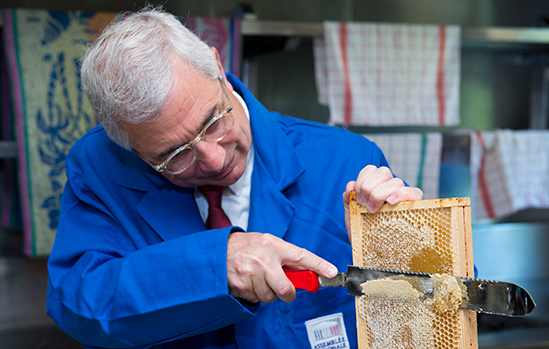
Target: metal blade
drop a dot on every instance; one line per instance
(485, 296)
(498, 297)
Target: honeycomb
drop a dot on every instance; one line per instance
(409, 240)
(424, 236)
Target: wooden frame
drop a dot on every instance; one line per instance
(457, 213)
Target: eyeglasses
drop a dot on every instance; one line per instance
(214, 131)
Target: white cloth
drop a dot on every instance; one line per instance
(413, 157)
(387, 74)
(236, 197)
(509, 172)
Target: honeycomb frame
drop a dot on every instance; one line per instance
(430, 236)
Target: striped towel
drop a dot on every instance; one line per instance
(11, 216)
(509, 172)
(385, 74)
(221, 33)
(43, 51)
(413, 157)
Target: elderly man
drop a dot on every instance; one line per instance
(144, 257)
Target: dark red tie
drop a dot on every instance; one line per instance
(217, 218)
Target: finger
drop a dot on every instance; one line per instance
(363, 175)
(381, 192)
(405, 194)
(251, 288)
(346, 199)
(241, 288)
(366, 185)
(280, 285)
(267, 293)
(350, 187)
(301, 258)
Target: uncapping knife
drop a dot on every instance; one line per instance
(483, 296)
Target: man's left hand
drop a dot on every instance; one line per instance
(375, 186)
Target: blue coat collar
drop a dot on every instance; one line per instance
(271, 144)
(276, 167)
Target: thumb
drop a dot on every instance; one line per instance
(350, 187)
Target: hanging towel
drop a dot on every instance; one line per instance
(223, 33)
(11, 215)
(413, 157)
(509, 172)
(50, 110)
(43, 51)
(388, 74)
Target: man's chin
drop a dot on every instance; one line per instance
(223, 181)
(228, 179)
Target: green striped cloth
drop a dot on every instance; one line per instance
(413, 157)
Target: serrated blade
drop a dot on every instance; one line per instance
(484, 296)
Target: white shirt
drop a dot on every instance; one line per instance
(236, 197)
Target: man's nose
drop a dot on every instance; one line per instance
(210, 156)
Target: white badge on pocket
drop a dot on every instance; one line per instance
(327, 332)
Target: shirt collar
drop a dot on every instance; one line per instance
(237, 187)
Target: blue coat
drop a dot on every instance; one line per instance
(134, 266)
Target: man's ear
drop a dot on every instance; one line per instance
(221, 70)
(218, 61)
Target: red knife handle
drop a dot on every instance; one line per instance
(303, 279)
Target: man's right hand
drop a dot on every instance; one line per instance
(254, 266)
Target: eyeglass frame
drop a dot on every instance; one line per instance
(192, 144)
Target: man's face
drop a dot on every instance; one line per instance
(194, 102)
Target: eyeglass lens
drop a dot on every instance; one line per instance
(213, 133)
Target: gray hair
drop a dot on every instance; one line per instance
(127, 72)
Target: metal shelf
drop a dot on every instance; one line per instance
(479, 36)
(280, 28)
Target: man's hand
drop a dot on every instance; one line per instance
(254, 266)
(373, 187)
